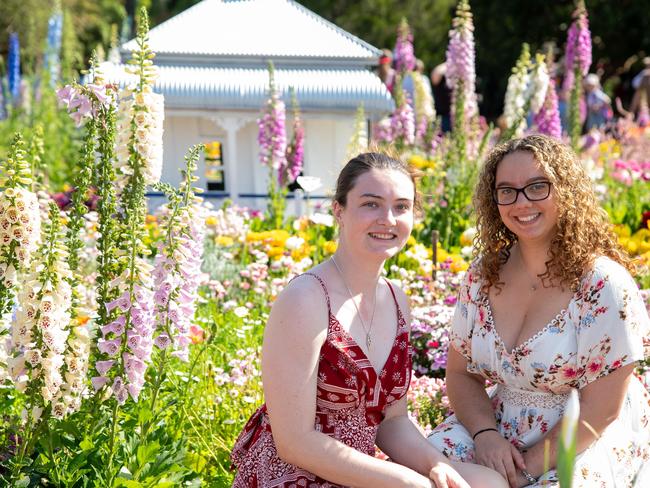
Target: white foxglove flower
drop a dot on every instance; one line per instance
(538, 85)
(515, 100)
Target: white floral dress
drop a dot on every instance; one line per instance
(601, 330)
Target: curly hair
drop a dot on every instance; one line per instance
(583, 228)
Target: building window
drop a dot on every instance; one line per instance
(214, 170)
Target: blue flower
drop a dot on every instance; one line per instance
(13, 66)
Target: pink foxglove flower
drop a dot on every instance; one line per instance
(578, 47)
(272, 137)
(460, 58)
(295, 150)
(404, 54)
(547, 120)
(402, 122)
(177, 276)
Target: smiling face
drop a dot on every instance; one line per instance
(377, 218)
(530, 221)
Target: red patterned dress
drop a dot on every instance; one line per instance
(351, 399)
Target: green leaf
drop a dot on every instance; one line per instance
(127, 483)
(86, 444)
(147, 453)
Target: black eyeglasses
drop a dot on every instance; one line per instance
(534, 192)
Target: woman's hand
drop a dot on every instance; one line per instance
(495, 452)
(445, 476)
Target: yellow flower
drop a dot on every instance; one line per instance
(151, 219)
(632, 246)
(275, 252)
(467, 237)
(442, 255)
(224, 241)
(622, 230)
(211, 220)
(329, 247)
(458, 264)
(411, 241)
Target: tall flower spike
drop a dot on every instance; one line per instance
(296, 148)
(13, 67)
(539, 82)
(127, 339)
(547, 119)
(272, 137)
(461, 74)
(20, 223)
(425, 112)
(177, 268)
(53, 49)
(578, 47)
(514, 109)
(141, 114)
(404, 54)
(359, 140)
(402, 121)
(40, 329)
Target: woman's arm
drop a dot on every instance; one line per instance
(404, 443)
(473, 409)
(290, 355)
(600, 404)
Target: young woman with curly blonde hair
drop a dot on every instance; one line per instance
(548, 306)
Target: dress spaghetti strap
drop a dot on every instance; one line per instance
(392, 292)
(327, 296)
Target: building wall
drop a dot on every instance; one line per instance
(326, 140)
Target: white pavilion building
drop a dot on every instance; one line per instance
(213, 63)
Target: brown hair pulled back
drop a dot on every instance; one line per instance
(368, 161)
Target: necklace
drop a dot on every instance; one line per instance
(367, 330)
(533, 284)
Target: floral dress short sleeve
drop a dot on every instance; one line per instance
(612, 322)
(600, 330)
(462, 326)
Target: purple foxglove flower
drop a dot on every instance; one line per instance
(272, 137)
(578, 48)
(404, 53)
(123, 302)
(103, 366)
(547, 119)
(110, 347)
(403, 121)
(98, 382)
(295, 154)
(460, 57)
(162, 341)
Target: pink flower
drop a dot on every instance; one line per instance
(595, 366)
(98, 382)
(123, 302)
(103, 366)
(109, 347)
(569, 371)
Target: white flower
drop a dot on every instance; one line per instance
(294, 242)
(538, 85)
(241, 312)
(322, 219)
(309, 183)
